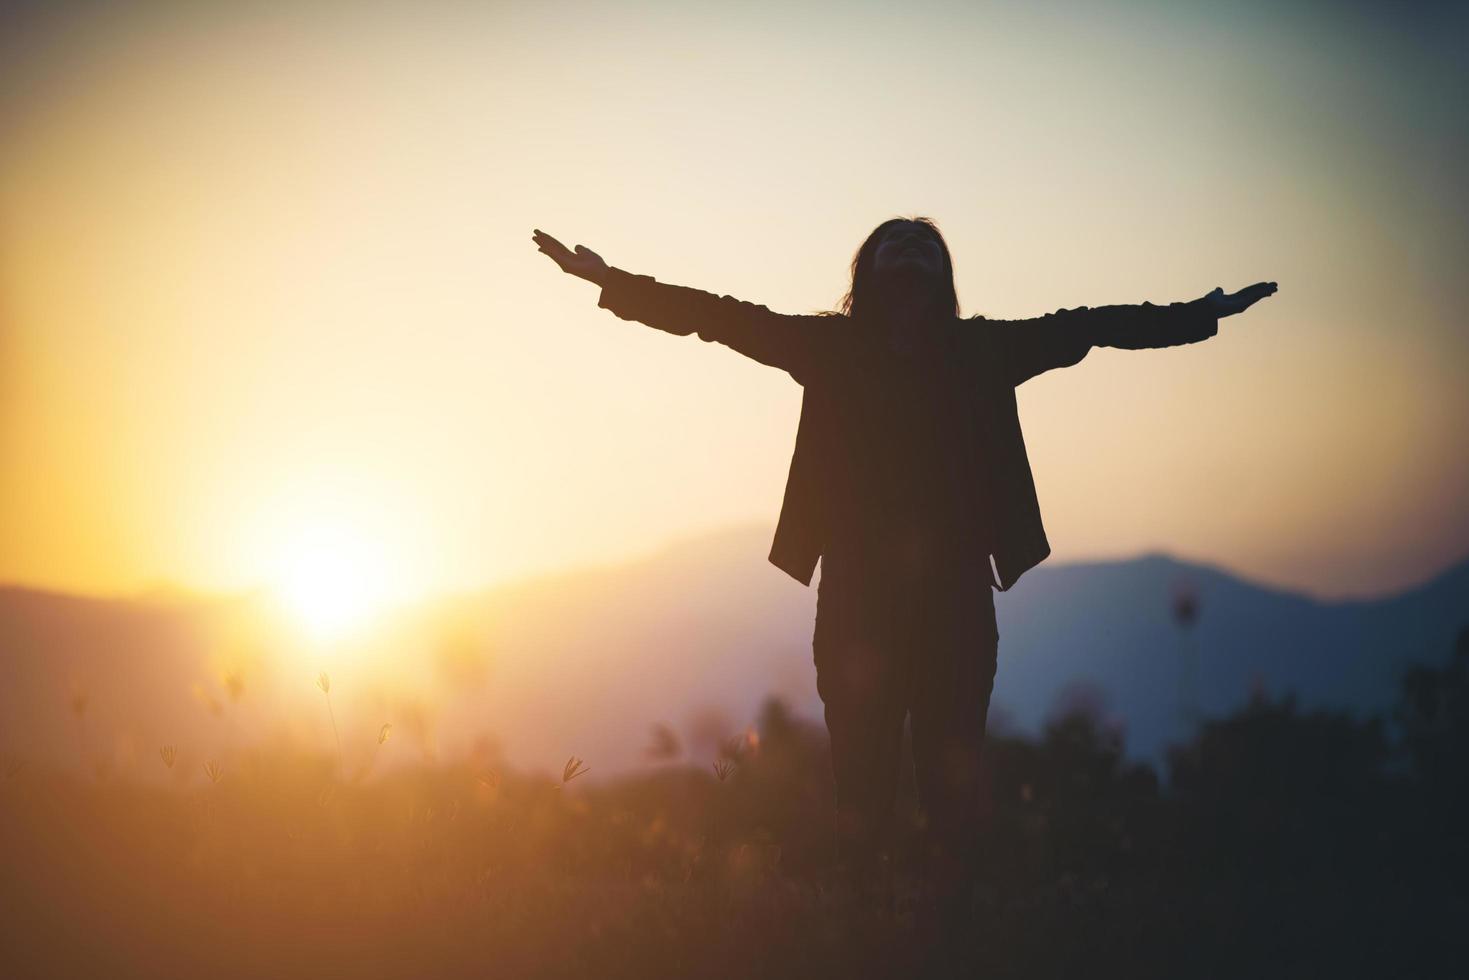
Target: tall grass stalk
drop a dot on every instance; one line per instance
(324, 682)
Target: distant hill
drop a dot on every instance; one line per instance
(695, 636)
(1111, 624)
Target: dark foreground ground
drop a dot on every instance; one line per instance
(1284, 844)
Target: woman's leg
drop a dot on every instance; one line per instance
(952, 686)
(862, 688)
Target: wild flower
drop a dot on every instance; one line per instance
(382, 736)
(1186, 602)
(169, 755)
(214, 772)
(572, 769)
(731, 755)
(724, 767)
(324, 682)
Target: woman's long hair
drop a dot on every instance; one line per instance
(863, 298)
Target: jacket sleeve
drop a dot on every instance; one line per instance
(1061, 339)
(789, 342)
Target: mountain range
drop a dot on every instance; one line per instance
(694, 637)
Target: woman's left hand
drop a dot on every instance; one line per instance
(1227, 304)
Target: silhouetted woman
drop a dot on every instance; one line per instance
(910, 482)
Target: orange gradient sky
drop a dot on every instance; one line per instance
(267, 290)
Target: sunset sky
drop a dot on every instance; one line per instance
(269, 308)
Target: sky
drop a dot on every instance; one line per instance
(270, 311)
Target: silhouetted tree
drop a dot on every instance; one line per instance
(1433, 715)
(1270, 787)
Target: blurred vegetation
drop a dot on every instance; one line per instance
(1285, 843)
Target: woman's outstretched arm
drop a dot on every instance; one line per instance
(1060, 339)
(789, 342)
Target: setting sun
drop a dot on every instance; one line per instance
(332, 583)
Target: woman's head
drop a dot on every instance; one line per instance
(903, 260)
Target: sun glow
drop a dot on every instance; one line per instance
(333, 583)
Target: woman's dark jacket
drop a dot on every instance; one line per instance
(827, 355)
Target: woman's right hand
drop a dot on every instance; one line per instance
(582, 263)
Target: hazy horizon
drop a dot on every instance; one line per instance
(757, 535)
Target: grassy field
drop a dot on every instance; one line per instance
(1284, 843)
